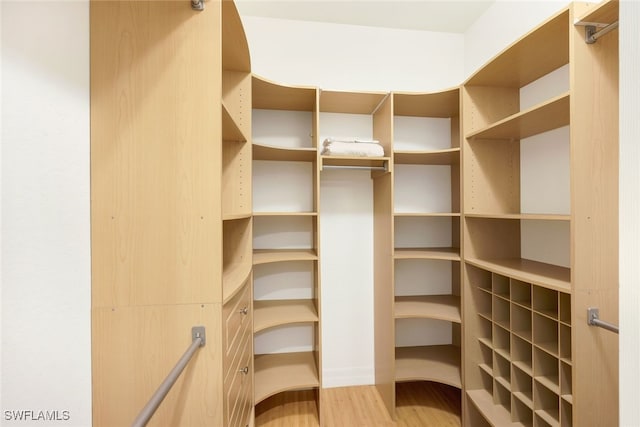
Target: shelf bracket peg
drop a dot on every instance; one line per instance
(589, 31)
(197, 5)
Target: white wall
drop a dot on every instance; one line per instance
(46, 283)
(629, 212)
(348, 57)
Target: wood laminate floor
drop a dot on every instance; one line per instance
(419, 404)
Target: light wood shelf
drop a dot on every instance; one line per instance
(267, 214)
(426, 214)
(534, 272)
(265, 256)
(449, 156)
(441, 307)
(438, 104)
(231, 132)
(539, 52)
(497, 415)
(268, 314)
(271, 152)
(236, 216)
(522, 216)
(351, 102)
(275, 373)
(603, 13)
(447, 254)
(439, 363)
(233, 277)
(268, 95)
(549, 115)
(354, 161)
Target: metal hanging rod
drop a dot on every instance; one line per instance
(198, 340)
(371, 168)
(591, 34)
(593, 319)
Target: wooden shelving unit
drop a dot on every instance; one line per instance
(290, 113)
(449, 197)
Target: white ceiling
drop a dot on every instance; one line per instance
(453, 16)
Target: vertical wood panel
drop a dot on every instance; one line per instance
(155, 153)
(384, 325)
(594, 160)
(134, 349)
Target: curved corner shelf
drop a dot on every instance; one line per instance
(537, 53)
(233, 277)
(449, 156)
(275, 373)
(439, 363)
(268, 95)
(440, 307)
(350, 102)
(265, 256)
(437, 104)
(447, 254)
(549, 115)
(272, 313)
(271, 152)
(235, 49)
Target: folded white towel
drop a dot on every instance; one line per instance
(329, 141)
(361, 149)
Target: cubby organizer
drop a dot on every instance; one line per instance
(524, 370)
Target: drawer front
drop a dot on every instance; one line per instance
(238, 386)
(237, 321)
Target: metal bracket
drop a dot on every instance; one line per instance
(593, 319)
(197, 5)
(589, 31)
(199, 332)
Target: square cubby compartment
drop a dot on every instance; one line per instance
(546, 405)
(565, 308)
(486, 363)
(545, 301)
(501, 341)
(545, 333)
(522, 385)
(566, 414)
(521, 321)
(502, 396)
(521, 413)
(566, 378)
(485, 332)
(500, 285)
(501, 312)
(521, 293)
(546, 370)
(522, 354)
(502, 370)
(478, 278)
(565, 343)
(482, 300)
